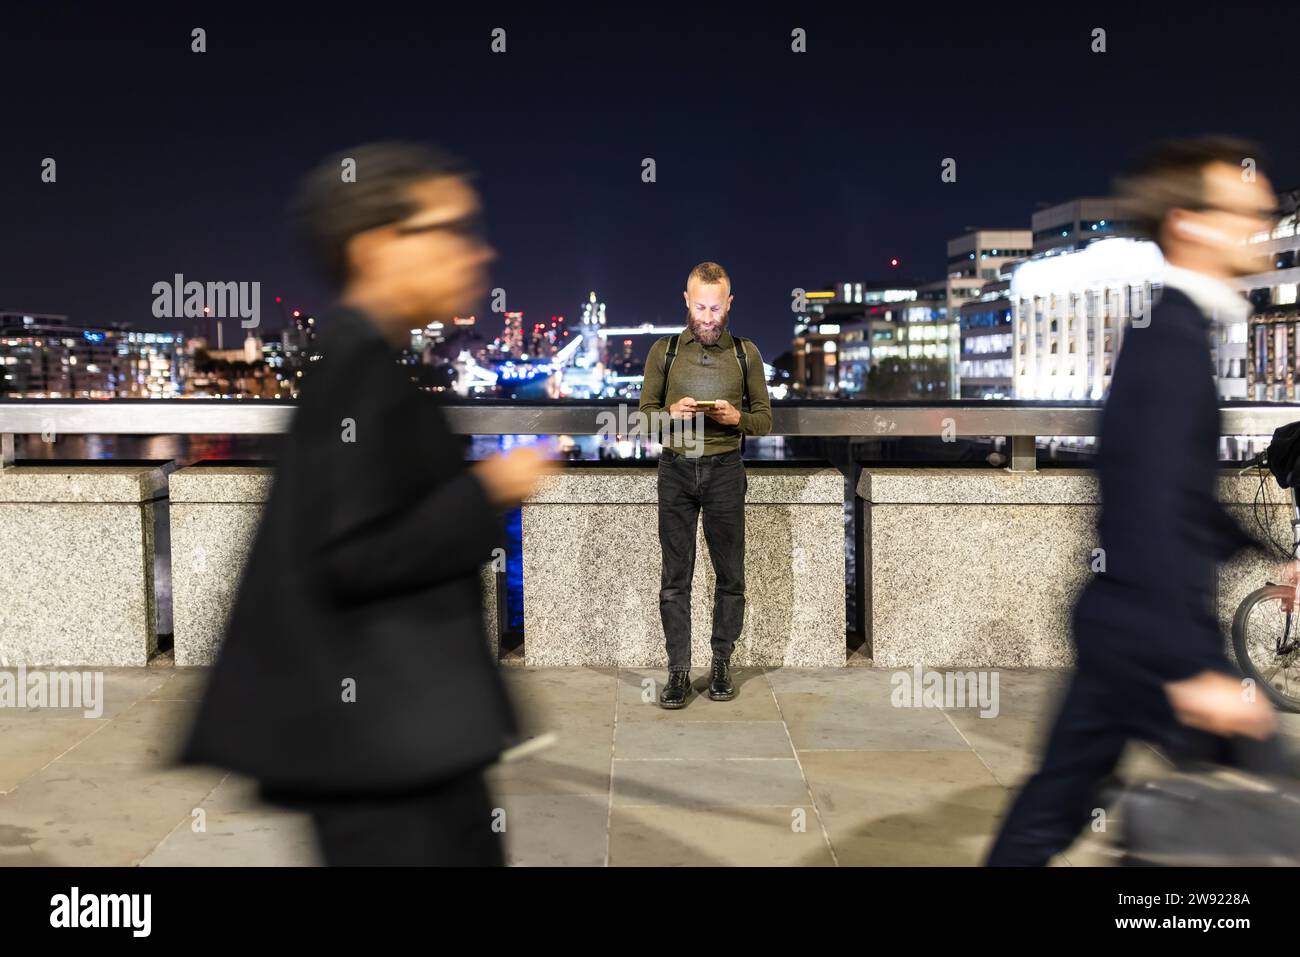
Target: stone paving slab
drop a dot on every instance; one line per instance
(806, 767)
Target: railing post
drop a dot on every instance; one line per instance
(6, 450)
(1024, 453)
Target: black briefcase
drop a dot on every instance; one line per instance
(1210, 817)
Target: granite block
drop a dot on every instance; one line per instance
(982, 567)
(490, 584)
(592, 567)
(77, 547)
(210, 544)
(615, 486)
(215, 513)
(240, 485)
(976, 585)
(62, 484)
(978, 486)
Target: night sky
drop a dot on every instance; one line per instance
(789, 169)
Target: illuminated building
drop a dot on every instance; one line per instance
(592, 328)
(513, 335)
(297, 350)
(545, 339)
(551, 337)
(924, 356)
(45, 356)
(847, 330)
(1077, 223)
(627, 361)
(430, 335)
(1269, 350)
(815, 347)
(975, 258)
(987, 342)
(1071, 311)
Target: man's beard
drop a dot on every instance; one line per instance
(708, 338)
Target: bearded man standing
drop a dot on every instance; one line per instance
(704, 364)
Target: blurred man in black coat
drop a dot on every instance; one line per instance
(1151, 660)
(355, 680)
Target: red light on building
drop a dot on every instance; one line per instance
(296, 313)
(893, 262)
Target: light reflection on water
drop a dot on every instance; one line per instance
(187, 449)
(182, 449)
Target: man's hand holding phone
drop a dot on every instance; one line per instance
(682, 408)
(719, 410)
(723, 412)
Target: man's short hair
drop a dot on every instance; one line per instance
(329, 210)
(1172, 176)
(709, 273)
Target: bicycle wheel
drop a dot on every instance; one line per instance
(1264, 637)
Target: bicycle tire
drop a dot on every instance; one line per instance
(1248, 667)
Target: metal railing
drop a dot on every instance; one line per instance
(1020, 422)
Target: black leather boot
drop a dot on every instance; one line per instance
(720, 686)
(676, 691)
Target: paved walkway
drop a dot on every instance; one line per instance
(804, 767)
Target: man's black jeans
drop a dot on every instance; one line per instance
(714, 484)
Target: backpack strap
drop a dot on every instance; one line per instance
(668, 364)
(743, 361)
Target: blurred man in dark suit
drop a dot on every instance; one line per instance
(355, 680)
(1151, 660)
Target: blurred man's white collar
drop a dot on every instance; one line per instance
(1212, 296)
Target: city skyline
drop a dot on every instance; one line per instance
(792, 169)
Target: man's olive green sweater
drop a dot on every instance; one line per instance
(707, 372)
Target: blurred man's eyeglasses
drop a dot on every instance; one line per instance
(467, 227)
(1271, 213)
